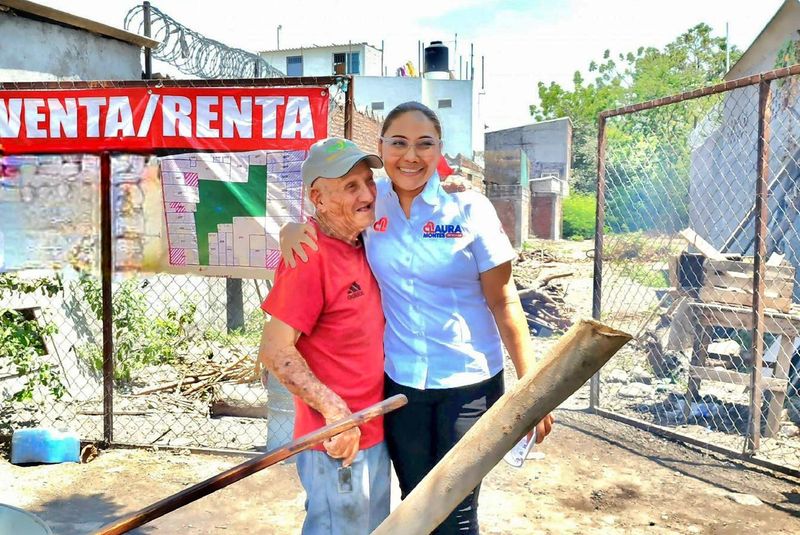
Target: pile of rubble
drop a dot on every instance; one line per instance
(537, 278)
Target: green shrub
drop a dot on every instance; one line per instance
(578, 217)
(22, 338)
(140, 338)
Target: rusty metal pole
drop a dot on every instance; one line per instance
(106, 270)
(762, 217)
(148, 53)
(348, 108)
(599, 222)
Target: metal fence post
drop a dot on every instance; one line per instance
(760, 251)
(234, 306)
(106, 269)
(597, 286)
(348, 109)
(148, 53)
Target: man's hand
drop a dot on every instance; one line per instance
(344, 445)
(292, 236)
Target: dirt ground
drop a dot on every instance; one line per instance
(597, 476)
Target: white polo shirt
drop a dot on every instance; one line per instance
(439, 330)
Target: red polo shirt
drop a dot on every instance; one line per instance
(334, 301)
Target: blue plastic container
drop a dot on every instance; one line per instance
(43, 445)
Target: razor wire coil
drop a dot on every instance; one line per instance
(195, 54)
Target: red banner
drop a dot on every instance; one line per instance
(148, 119)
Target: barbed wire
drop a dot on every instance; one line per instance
(195, 54)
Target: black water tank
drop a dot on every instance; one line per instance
(437, 57)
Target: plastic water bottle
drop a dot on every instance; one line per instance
(517, 455)
(43, 445)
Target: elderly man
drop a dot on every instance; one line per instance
(324, 341)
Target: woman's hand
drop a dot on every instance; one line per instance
(291, 238)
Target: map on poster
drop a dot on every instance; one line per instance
(223, 211)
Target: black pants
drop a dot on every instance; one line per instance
(419, 434)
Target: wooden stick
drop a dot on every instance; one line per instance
(213, 484)
(570, 363)
(701, 245)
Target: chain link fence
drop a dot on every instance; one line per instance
(697, 255)
(185, 346)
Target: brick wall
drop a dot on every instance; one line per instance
(512, 204)
(366, 128)
(546, 216)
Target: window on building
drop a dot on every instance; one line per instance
(294, 65)
(346, 63)
(445, 103)
(377, 105)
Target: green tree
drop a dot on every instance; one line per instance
(694, 59)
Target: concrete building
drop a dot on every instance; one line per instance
(42, 44)
(359, 59)
(455, 101)
(722, 176)
(760, 56)
(38, 43)
(535, 160)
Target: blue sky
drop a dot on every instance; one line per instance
(524, 41)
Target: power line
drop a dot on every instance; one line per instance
(195, 54)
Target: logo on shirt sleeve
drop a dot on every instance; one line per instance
(354, 291)
(381, 224)
(432, 230)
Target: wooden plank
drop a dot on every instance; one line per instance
(737, 297)
(701, 245)
(746, 267)
(570, 363)
(740, 281)
(704, 373)
(674, 263)
(778, 397)
(775, 259)
(69, 19)
(717, 314)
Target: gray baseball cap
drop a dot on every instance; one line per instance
(333, 158)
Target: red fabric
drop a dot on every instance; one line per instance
(443, 168)
(139, 119)
(334, 301)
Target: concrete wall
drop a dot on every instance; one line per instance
(762, 54)
(722, 179)
(41, 51)
(319, 61)
(547, 145)
(456, 121)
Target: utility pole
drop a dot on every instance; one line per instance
(727, 50)
(279, 36)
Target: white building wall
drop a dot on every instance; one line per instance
(318, 61)
(456, 120)
(371, 62)
(39, 51)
